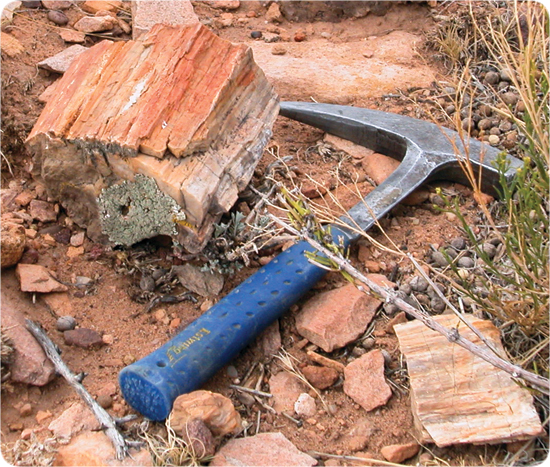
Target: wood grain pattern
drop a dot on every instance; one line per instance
(180, 105)
(458, 397)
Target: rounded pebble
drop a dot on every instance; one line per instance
(65, 323)
(439, 259)
(105, 401)
(418, 284)
(256, 34)
(232, 372)
(437, 304)
(494, 140)
(489, 249)
(451, 252)
(58, 17)
(485, 124)
(458, 243)
(492, 77)
(466, 262)
(368, 343)
(510, 98)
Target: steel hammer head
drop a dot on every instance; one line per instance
(433, 152)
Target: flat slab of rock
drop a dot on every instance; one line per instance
(459, 398)
(365, 382)
(60, 62)
(338, 73)
(95, 448)
(36, 278)
(83, 337)
(78, 417)
(30, 364)
(335, 318)
(204, 283)
(147, 13)
(286, 389)
(263, 449)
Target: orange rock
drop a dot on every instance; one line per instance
(215, 410)
(379, 167)
(399, 452)
(95, 449)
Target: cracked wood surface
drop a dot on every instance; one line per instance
(179, 105)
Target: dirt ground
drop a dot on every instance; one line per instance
(108, 307)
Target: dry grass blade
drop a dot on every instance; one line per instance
(171, 450)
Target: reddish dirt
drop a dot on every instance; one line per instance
(109, 309)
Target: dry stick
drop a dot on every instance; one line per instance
(543, 384)
(104, 418)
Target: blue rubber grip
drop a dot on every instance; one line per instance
(186, 362)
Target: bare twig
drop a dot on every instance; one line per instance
(541, 383)
(104, 418)
(250, 391)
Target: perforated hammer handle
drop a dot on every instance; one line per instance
(192, 357)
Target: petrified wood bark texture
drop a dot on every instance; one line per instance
(179, 106)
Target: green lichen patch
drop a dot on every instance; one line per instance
(135, 210)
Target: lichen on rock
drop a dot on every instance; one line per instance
(134, 210)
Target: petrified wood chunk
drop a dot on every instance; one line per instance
(186, 110)
(456, 396)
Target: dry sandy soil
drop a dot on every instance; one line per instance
(376, 62)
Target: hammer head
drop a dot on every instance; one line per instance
(438, 152)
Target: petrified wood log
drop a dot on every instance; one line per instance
(154, 136)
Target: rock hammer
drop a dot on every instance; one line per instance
(427, 153)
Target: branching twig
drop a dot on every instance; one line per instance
(104, 418)
(541, 383)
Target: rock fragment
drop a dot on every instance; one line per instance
(398, 453)
(93, 6)
(10, 45)
(198, 438)
(30, 364)
(83, 337)
(216, 411)
(60, 62)
(90, 24)
(320, 377)
(147, 13)
(263, 449)
(36, 278)
(204, 283)
(12, 243)
(364, 381)
(286, 389)
(95, 448)
(78, 417)
(335, 318)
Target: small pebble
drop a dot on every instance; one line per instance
(494, 140)
(451, 252)
(505, 126)
(25, 410)
(485, 110)
(299, 36)
(105, 401)
(358, 351)
(437, 304)
(232, 372)
(458, 243)
(256, 34)
(450, 109)
(439, 259)
(58, 17)
(147, 283)
(405, 288)
(485, 124)
(418, 284)
(510, 98)
(368, 343)
(65, 323)
(466, 262)
(278, 49)
(492, 77)
(489, 249)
